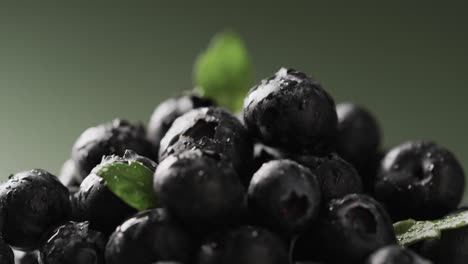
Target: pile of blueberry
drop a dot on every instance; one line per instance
(295, 179)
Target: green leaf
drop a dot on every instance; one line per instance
(223, 71)
(410, 231)
(132, 182)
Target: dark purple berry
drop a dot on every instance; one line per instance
(168, 111)
(263, 154)
(73, 243)
(214, 130)
(246, 245)
(148, 237)
(284, 196)
(420, 180)
(290, 110)
(337, 177)
(112, 138)
(201, 189)
(34, 202)
(354, 227)
(359, 137)
(96, 203)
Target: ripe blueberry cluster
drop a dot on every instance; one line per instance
(296, 179)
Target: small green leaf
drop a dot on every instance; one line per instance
(410, 231)
(223, 71)
(132, 182)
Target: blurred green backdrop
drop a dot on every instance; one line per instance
(67, 66)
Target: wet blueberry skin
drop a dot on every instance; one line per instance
(354, 227)
(111, 138)
(168, 111)
(396, 255)
(419, 180)
(284, 196)
(245, 244)
(100, 206)
(201, 189)
(337, 177)
(96, 203)
(6, 254)
(33, 203)
(73, 243)
(291, 111)
(359, 137)
(148, 237)
(211, 129)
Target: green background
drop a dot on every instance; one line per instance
(65, 67)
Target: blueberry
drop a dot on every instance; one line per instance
(69, 176)
(26, 257)
(419, 180)
(246, 245)
(6, 254)
(397, 255)
(358, 138)
(99, 205)
(291, 111)
(263, 154)
(452, 247)
(200, 188)
(354, 227)
(168, 111)
(212, 129)
(148, 237)
(73, 243)
(337, 177)
(33, 202)
(111, 138)
(284, 196)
